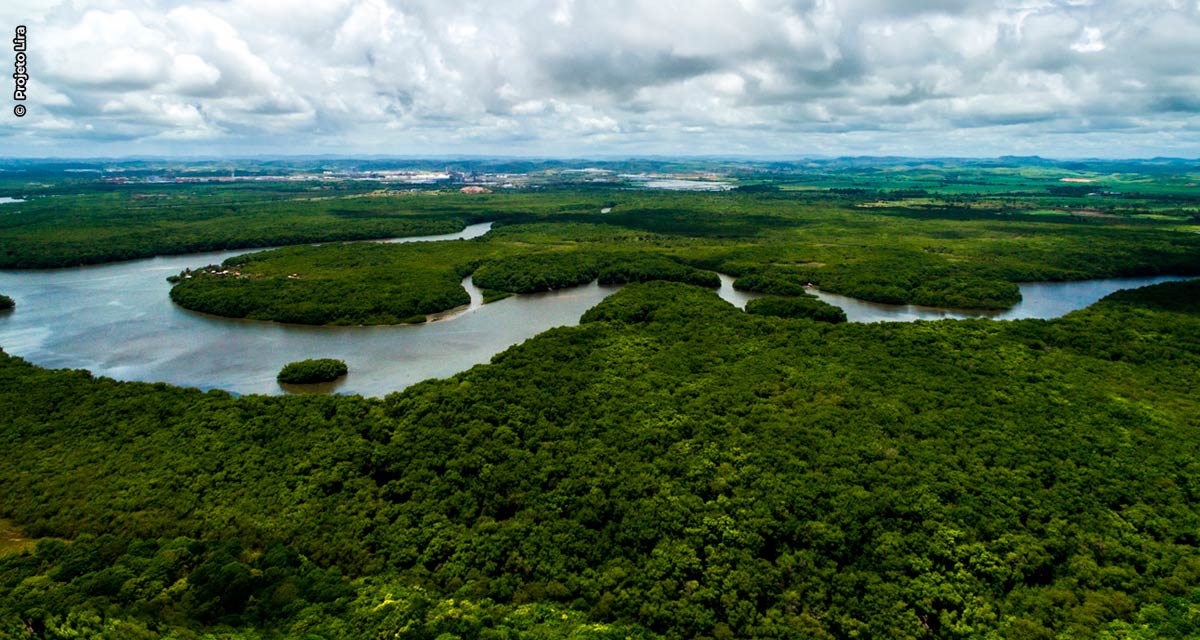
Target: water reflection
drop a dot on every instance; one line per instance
(316, 388)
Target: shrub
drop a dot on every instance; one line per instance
(312, 371)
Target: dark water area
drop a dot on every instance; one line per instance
(117, 320)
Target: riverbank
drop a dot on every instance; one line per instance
(117, 321)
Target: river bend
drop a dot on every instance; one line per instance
(117, 320)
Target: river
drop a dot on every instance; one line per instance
(117, 320)
(1038, 300)
(1044, 300)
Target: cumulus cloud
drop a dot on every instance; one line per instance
(576, 77)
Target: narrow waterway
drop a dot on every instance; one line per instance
(1045, 300)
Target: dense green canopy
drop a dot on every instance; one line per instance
(803, 306)
(673, 467)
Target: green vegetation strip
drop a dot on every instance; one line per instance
(671, 468)
(68, 218)
(106, 225)
(806, 306)
(937, 233)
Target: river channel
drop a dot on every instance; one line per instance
(117, 320)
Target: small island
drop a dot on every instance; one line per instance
(6, 303)
(312, 371)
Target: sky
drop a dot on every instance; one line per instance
(603, 78)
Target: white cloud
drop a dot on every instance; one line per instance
(191, 75)
(1091, 41)
(103, 49)
(626, 76)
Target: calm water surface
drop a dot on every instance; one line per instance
(677, 184)
(117, 320)
(1038, 300)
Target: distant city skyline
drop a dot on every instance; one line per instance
(576, 79)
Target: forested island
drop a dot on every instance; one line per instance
(6, 303)
(312, 371)
(671, 468)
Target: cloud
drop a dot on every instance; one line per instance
(930, 77)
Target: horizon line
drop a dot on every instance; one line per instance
(580, 158)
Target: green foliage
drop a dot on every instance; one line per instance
(971, 264)
(346, 284)
(69, 219)
(1180, 297)
(757, 188)
(528, 273)
(656, 302)
(965, 292)
(1177, 616)
(806, 306)
(644, 267)
(311, 371)
(947, 233)
(671, 467)
(877, 285)
(363, 284)
(771, 283)
(491, 295)
(6, 303)
(121, 588)
(178, 580)
(138, 222)
(538, 272)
